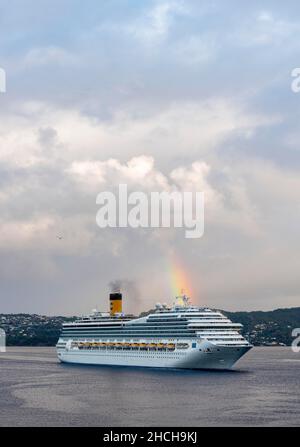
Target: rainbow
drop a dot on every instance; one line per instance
(179, 279)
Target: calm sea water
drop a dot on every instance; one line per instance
(36, 390)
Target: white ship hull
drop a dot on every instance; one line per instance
(205, 356)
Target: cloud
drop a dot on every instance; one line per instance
(168, 95)
(70, 158)
(155, 23)
(21, 234)
(200, 126)
(50, 55)
(196, 50)
(139, 172)
(268, 29)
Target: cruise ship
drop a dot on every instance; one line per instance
(180, 336)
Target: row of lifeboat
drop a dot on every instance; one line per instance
(140, 346)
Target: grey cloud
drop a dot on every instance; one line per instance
(213, 87)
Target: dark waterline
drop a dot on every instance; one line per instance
(36, 390)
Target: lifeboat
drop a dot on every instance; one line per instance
(161, 345)
(171, 346)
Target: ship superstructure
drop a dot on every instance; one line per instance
(181, 336)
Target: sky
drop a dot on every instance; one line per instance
(191, 95)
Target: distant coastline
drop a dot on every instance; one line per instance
(271, 328)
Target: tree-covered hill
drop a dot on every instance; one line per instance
(260, 328)
(31, 330)
(271, 327)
